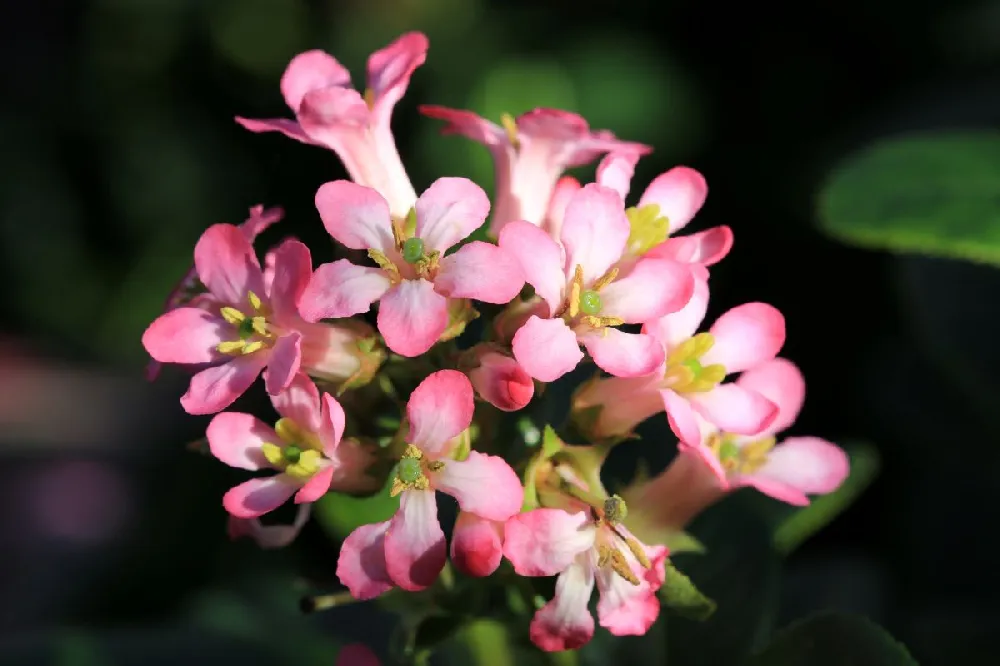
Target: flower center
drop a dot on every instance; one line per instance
(412, 250)
(685, 372)
(648, 228)
(584, 305)
(590, 302)
(737, 459)
(612, 538)
(253, 332)
(299, 453)
(410, 471)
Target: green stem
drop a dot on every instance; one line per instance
(487, 644)
(564, 658)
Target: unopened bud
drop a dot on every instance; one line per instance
(502, 382)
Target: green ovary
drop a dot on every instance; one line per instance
(409, 470)
(292, 454)
(413, 250)
(590, 302)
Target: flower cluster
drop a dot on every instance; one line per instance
(414, 399)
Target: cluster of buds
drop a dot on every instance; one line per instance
(417, 401)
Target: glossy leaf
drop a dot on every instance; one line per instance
(834, 639)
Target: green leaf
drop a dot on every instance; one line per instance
(340, 515)
(834, 639)
(680, 595)
(805, 522)
(935, 194)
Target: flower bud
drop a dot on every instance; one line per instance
(500, 381)
(476, 545)
(347, 353)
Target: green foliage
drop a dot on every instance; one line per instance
(833, 639)
(935, 194)
(681, 596)
(340, 514)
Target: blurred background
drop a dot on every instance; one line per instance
(119, 149)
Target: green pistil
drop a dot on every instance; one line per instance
(245, 328)
(413, 250)
(590, 302)
(292, 454)
(694, 365)
(409, 470)
(728, 451)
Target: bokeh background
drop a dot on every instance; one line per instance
(119, 148)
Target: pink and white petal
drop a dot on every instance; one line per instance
(412, 317)
(652, 289)
(260, 220)
(540, 258)
(680, 194)
(286, 126)
(438, 410)
(268, 537)
(675, 328)
(283, 363)
(546, 348)
(481, 271)
(357, 654)
(299, 402)
(625, 609)
(781, 382)
(291, 273)
(682, 418)
(213, 389)
(449, 211)
(361, 566)
(415, 549)
(355, 216)
(747, 335)
(476, 545)
(734, 409)
(254, 498)
(467, 124)
(227, 265)
(564, 190)
(483, 485)
(332, 116)
(317, 486)
(543, 542)
(235, 439)
(624, 354)
(390, 68)
(615, 171)
(565, 623)
(341, 289)
(595, 231)
(308, 71)
(705, 247)
(332, 424)
(806, 465)
(185, 335)
(704, 456)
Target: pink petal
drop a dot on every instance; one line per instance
(704, 456)
(624, 403)
(705, 247)
(299, 402)
(256, 497)
(746, 336)
(332, 117)
(675, 328)
(681, 417)
(652, 289)
(466, 123)
(564, 190)
(185, 335)
(415, 549)
(439, 409)
(483, 485)
(355, 216)
(625, 609)
(565, 623)
(540, 258)
(235, 439)
(480, 271)
(268, 536)
(317, 486)
(412, 316)
(227, 265)
(735, 409)
(292, 269)
(554, 125)
(546, 348)
(543, 542)
(213, 389)
(309, 71)
(361, 566)
(680, 194)
(502, 382)
(476, 545)
(781, 382)
(332, 425)
(595, 231)
(286, 126)
(284, 362)
(624, 354)
(450, 210)
(342, 289)
(357, 654)
(389, 69)
(800, 466)
(615, 171)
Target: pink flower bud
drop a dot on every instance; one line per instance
(500, 381)
(476, 545)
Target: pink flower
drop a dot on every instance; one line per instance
(530, 153)
(414, 281)
(268, 536)
(788, 470)
(582, 549)
(500, 381)
(330, 113)
(304, 447)
(476, 544)
(409, 550)
(189, 288)
(579, 282)
(357, 654)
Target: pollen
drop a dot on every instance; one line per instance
(685, 372)
(410, 472)
(252, 330)
(509, 125)
(648, 228)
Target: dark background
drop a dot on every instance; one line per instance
(119, 148)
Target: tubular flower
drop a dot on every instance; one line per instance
(268, 536)
(413, 279)
(409, 550)
(583, 548)
(530, 153)
(304, 447)
(690, 379)
(330, 113)
(586, 299)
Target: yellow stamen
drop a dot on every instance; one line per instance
(685, 374)
(307, 465)
(605, 279)
(369, 97)
(648, 228)
(232, 315)
(259, 325)
(576, 288)
(385, 264)
(251, 347)
(610, 556)
(254, 299)
(232, 347)
(510, 126)
(272, 453)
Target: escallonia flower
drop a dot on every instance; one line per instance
(409, 551)
(413, 280)
(530, 153)
(330, 113)
(586, 298)
(248, 321)
(304, 447)
(582, 547)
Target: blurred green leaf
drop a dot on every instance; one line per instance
(935, 194)
(834, 639)
(259, 36)
(340, 515)
(680, 595)
(78, 648)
